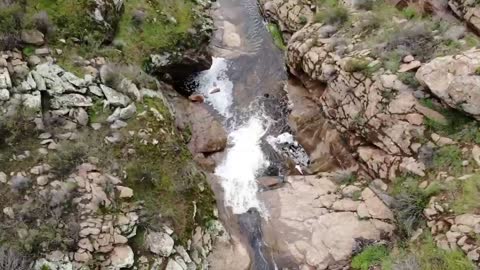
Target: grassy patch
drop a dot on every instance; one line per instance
(465, 196)
(331, 12)
(410, 203)
(448, 158)
(433, 258)
(162, 26)
(370, 257)
(459, 126)
(357, 65)
(163, 174)
(276, 35)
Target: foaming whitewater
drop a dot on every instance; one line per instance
(244, 160)
(216, 78)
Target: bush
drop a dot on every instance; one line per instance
(369, 257)
(11, 260)
(43, 23)
(68, 157)
(466, 194)
(433, 258)
(332, 13)
(416, 38)
(448, 157)
(11, 21)
(409, 79)
(410, 201)
(356, 65)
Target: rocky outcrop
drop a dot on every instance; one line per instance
(467, 10)
(321, 224)
(455, 79)
(291, 15)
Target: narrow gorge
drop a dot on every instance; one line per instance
(227, 134)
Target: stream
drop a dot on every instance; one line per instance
(244, 89)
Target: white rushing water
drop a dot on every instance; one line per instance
(216, 78)
(242, 163)
(244, 158)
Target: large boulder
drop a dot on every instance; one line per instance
(291, 15)
(122, 257)
(208, 134)
(468, 10)
(159, 243)
(455, 79)
(314, 224)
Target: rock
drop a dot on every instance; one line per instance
(312, 234)
(4, 95)
(34, 60)
(476, 154)
(468, 11)
(83, 257)
(410, 66)
(42, 51)
(5, 81)
(118, 124)
(81, 116)
(453, 79)
(196, 98)
(125, 192)
(3, 178)
(122, 257)
(8, 211)
(345, 205)
(159, 243)
(173, 265)
(33, 37)
(409, 58)
(127, 112)
(473, 255)
(208, 135)
(71, 101)
(42, 180)
(375, 206)
(115, 98)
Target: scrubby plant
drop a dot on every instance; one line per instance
(465, 195)
(409, 79)
(448, 157)
(43, 23)
(12, 260)
(276, 35)
(433, 258)
(11, 22)
(410, 201)
(357, 65)
(68, 157)
(370, 257)
(410, 12)
(331, 12)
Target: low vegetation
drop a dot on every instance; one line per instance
(276, 35)
(331, 12)
(410, 203)
(370, 257)
(421, 254)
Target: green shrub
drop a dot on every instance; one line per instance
(369, 257)
(466, 194)
(276, 35)
(410, 13)
(433, 258)
(357, 65)
(332, 12)
(448, 157)
(68, 156)
(410, 201)
(409, 79)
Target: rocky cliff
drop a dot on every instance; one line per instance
(97, 164)
(391, 86)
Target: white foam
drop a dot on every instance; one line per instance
(216, 77)
(242, 163)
